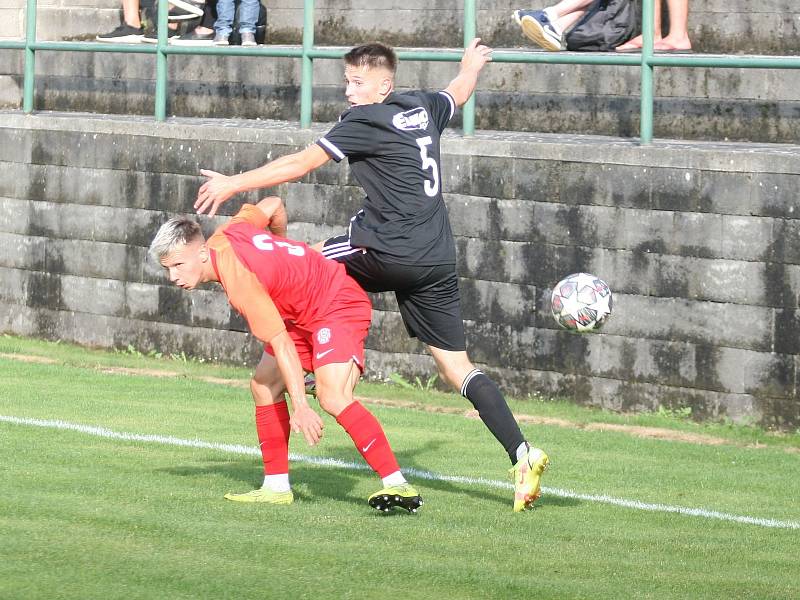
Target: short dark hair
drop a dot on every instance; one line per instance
(372, 55)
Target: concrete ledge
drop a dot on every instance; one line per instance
(693, 103)
(769, 26)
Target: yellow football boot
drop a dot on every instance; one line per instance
(526, 475)
(402, 496)
(265, 495)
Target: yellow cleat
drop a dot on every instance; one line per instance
(263, 495)
(402, 496)
(527, 474)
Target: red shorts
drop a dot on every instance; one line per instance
(336, 337)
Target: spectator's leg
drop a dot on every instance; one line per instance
(566, 13)
(636, 43)
(678, 36)
(130, 30)
(130, 13)
(224, 24)
(566, 7)
(248, 15)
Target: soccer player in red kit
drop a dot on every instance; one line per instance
(311, 316)
(401, 239)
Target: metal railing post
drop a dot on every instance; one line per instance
(470, 28)
(646, 75)
(29, 83)
(307, 66)
(161, 61)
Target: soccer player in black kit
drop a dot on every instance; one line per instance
(401, 240)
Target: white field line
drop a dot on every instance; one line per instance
(414, 473)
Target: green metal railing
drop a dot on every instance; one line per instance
(308, 52)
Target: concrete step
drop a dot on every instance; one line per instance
(715, 26)
(759, 105)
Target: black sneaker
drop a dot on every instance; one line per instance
(124, 34)
(151, 35)
(193, 38)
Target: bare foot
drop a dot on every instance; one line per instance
(635, 44)
(673, 44)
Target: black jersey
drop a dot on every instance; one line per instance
(393, 151)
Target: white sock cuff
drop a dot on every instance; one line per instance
(394, 479)
(522, 449)
(277, 483)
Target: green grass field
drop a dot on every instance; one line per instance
(85, 513)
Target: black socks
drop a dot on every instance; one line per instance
(486, 397)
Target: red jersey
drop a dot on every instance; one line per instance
(270, 280)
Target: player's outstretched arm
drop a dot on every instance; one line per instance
(303, 420)
(476, 55)
(220, 188)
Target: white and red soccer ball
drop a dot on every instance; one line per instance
(581, 302)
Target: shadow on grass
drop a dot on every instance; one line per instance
(312, 482)
(309, 482)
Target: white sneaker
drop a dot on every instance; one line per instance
(538, 28)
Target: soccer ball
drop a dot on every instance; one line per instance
(581, 302)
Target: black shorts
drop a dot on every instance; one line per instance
(427, 295)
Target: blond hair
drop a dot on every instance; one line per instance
(174, 233)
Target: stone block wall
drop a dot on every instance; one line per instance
(698, 241)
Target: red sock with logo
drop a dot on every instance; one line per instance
(369, 438)
(272, 425)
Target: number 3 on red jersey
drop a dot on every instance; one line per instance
(265, 242)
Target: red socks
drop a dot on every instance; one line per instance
(272, 425)
(369, 438)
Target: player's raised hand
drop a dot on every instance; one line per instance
(475, 55)
(216, 190)
(304, 420)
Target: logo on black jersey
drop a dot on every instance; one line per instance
(416, 118)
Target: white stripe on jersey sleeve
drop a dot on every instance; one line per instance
(333, 149)
(451, 101)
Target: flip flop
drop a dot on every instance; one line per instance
(674, 51)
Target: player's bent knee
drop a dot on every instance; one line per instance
(333, 404)
(335, 384)
(453, 367)
(450, 373)
(266, 393)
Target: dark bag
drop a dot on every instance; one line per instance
(606, 25)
